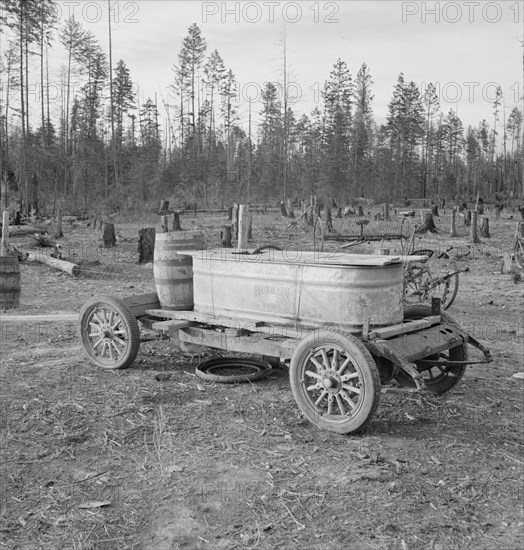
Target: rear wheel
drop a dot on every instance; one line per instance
(438, 379)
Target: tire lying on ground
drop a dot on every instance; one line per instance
(228, 370)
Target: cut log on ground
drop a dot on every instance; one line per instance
(428, 225)
(146, 245)
(62, 265)
(19, 230)
(108, 235)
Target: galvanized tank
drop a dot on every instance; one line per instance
(309, 289)
(173, 272)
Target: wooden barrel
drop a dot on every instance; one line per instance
(9, 282)
(173, 270)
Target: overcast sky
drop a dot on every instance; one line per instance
(466, 48)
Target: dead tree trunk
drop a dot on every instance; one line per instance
(473, 233)
(453, 231)
(428, 225)
(146, 245)
(484, 228)
(242, 227)
(108, 235)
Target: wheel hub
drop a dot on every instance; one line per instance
(331, 381)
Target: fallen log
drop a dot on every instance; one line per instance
(19, 230)
(62, 265)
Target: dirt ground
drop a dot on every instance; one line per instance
(96, 459)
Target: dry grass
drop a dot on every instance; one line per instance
(92, 459)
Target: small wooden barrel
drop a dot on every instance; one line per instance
(10, 285)
(173, 270)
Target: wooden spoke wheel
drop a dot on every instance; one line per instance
(109, 332)
(438, 378)
(335, 381)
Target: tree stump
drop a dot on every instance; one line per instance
(250, 228)
(453, 230)
(386, 211)
(484, 228)
(428, 225)
(58, 234)
(225, 237)
(146, 245)
(108, 235)
(329, 220)
(473, 233)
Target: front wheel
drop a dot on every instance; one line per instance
(109, 332)
(335, 381)
(438, 378)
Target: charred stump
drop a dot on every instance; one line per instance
(226, 236)
(146, 245)
(329, 220)
(429, 224)
(484, 228)
(108, 235)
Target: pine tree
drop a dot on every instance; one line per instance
(362, 131)
(337, 95)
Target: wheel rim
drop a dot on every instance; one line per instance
(106, 335)
(332, 383)
(433, 374)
